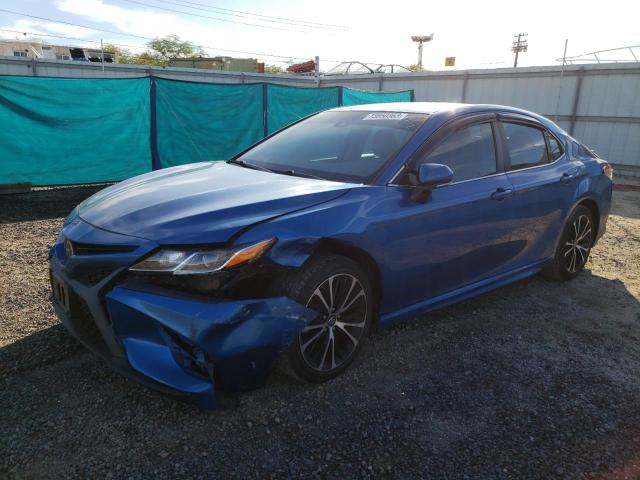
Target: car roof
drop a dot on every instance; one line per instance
(447, 110)
(404, 107)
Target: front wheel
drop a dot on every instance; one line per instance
(575, 245)
(340, 292)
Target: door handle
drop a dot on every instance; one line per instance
(501, 193)
(568, 176)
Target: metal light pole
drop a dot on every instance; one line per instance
(519, 45)
(421, 39)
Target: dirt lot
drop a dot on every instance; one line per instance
(536, 380)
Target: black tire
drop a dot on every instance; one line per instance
(321, 274)
(574, 247)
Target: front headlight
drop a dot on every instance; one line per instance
(192, 262)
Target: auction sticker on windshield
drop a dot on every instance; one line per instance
(385, 116)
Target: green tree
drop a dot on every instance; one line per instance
(159, 51)
(172, 46)
(273, 69)
(415, 68)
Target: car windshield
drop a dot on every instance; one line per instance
(348, 146)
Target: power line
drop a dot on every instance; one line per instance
(133, 35)
(241, 14)
(74, 24)
(67, 38)
(262, 16)
(217, 19)
(143, 46)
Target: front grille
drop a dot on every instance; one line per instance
(95, 249)
(84, 324)
(92, 276)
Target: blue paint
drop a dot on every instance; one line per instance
(463, 241)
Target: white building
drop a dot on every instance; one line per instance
(36, 49)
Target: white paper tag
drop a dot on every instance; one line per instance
(385, 116)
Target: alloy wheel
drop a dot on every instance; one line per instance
(578, 244)
(332, 338)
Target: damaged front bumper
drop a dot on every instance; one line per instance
(188, 345)
(181, 344)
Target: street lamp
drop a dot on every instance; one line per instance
(420, 39)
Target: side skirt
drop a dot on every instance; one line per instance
(464, 293)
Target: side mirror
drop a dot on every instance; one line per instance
(430, 175)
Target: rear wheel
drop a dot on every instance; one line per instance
(575, 245)
(340, 292)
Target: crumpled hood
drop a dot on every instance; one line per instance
(202, 202)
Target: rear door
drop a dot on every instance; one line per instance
(544, 181)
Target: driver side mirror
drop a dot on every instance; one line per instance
(430, 175)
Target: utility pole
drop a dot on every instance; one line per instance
(519, 45)
(420, 39)
(102, 53)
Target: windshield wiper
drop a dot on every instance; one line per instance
(290, 172)
(296, 173)
(242, 163)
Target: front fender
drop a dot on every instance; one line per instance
(345, 219)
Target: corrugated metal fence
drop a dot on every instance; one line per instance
(597, 104)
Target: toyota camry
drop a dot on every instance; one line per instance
(198, 278)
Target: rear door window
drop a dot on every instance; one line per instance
(526, 145)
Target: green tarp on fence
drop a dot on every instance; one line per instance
(359, 97)
(198, 122)
(60, 131)
(286, 105)
(63, 131)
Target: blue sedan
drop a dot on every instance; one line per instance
(199, 277)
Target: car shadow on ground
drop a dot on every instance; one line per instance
(41, 348)
(538, 378)
(626, 202)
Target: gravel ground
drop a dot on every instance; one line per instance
(535, 380)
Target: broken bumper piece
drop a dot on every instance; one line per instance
(189, 345)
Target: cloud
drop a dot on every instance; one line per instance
(25, 25)
(44, 28)
(132, 21)
(69, 30)
(149, 23)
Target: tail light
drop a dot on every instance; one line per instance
(607, 169)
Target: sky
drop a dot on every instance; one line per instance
(478, 34)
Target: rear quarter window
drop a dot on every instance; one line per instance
(555, 149)
(580, 150)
